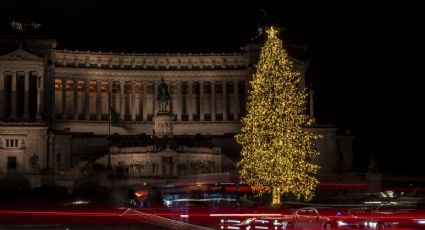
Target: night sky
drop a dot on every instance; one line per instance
(362, 57)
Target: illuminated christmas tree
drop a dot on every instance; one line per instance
(277, 152)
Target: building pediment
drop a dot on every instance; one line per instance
(21, 55)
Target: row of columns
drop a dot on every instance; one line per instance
(86, 99)
(13, 93)
(179, 105)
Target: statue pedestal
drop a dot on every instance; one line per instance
(163, 124)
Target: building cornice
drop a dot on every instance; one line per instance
(150, 61)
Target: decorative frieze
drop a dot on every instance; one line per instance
(66, 58)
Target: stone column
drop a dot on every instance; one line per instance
(190, 100)
(179, 101)
(122, 100)
(224, 99)
(26, 94)
(87, 100)
(155, 92)
(213, 111)
(64, 99)
(39, 96)
(52, 89)
(110, 83)
(13, 96)
(235, 100)
(144, 101)
(2, 104)
(201, 101)
(133, 100)
(171, 105)
(98, 100)
(75, 88)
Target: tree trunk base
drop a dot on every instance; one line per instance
(276, 196)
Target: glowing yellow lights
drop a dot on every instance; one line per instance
(276, 151)
(271, 31)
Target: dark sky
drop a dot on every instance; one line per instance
(362, 56)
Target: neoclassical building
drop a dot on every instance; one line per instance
(55, 108)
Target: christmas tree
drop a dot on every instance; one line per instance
(277, 152)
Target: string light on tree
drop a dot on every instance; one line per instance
(276, 151)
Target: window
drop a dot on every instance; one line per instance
(58, 157)
(12, 143)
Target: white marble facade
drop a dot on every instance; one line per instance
(61, 95)
(151, 161)
(23, 148)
